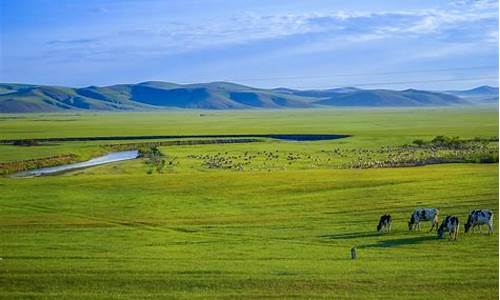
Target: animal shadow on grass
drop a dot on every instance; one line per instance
(399, 242)
(350, 235)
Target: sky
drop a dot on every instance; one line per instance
(264, 43)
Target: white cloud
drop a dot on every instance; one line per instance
(466, 21)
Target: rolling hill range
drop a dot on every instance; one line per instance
(482, 94)
(19, 98)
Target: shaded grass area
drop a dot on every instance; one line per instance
(400, 242)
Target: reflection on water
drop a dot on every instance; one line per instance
(108, 158)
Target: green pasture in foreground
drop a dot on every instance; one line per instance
(115, 231)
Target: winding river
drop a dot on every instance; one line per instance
(108, 158)
(127, 155)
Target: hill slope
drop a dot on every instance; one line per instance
(143, 96)
(19, 98)
(392, 98)
(482, 94)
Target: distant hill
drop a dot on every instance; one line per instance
(392, 98)
(143, 96)
(19, 98)
(482, 94)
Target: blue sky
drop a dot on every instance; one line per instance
(272, 43)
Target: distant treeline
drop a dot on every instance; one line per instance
(290, 137)
(146, 147)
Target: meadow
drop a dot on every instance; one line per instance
(281, 226)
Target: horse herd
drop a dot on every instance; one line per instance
(451, 224)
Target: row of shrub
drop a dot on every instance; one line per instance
(454, 143)
(441, 149)
(147, 145)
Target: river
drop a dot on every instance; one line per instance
(105, 159)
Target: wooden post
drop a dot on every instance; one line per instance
(353, 253)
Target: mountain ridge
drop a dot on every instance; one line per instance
(151, 95)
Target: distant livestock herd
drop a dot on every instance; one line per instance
(451, 224)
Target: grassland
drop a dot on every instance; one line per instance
(272, 231)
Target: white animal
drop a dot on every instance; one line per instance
(479, 217)
(423, 214)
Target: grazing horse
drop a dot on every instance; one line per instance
(479, 217)
(450, 224)
(384, 223)
(423, 214)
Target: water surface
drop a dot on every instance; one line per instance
(108, 158)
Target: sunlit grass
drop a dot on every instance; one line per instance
(115, 231)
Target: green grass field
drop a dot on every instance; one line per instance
(275, 230)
